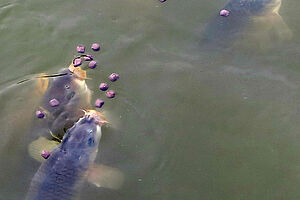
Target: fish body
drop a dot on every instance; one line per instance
(242, 13)
(61, 176)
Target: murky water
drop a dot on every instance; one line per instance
(187, 122)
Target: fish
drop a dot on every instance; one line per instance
(62, 175)
(246, 18)
(68, 86)
(71, 91)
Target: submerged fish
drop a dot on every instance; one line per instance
(62, 174)
(242, 14)
(70, 89)
(72, 94)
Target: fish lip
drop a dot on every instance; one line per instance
(98, 118)
(80, 73)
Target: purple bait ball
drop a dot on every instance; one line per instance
(45, 154)
(99, 103)
(92, 64)
(113, 77)
(88, 57)
(103, 86)
(96, 47)
(224, 13)
(77, 62)
(54, 102)
(110, 94)
(39, 114)
(80, 49)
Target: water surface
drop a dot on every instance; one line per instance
(186, 123)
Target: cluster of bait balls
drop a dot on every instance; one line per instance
(92, 64)
(81, 49)
(104, 86)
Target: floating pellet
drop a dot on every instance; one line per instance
(88, 57)
(103, 86)
(39, 114)
(224, 13)
(80, 49)
(54, 102)
(113, 77)
(96, 47)
(45, 154)
(110, 94)
(77, 62)
(99, 103)
(92, 64)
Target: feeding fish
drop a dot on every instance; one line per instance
(63, 99)
(69, 88)
(72, 96)
(245, 18)
(61, 176)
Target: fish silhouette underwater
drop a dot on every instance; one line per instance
(61, 176)
(254, 20)
(69, 88)
(71, 94)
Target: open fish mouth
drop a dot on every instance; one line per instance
(80, 73)
(95, 115)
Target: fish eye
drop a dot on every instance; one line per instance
(91, 141)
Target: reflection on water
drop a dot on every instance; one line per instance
(187, 122)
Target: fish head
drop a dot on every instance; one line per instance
(64, 121)
(72, 94)
(63, 88)
(84, 136)
(67, 83)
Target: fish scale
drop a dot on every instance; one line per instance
(57, 178)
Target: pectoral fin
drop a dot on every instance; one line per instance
(281, 28)
(37, 146)
(264, 32)
(274, 22)
(105, 176)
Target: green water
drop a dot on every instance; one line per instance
(185, 124)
